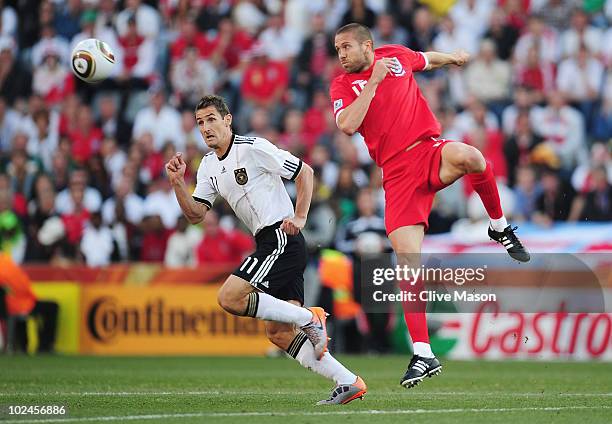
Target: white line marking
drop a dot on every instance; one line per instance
(288, 392)
(306, 413)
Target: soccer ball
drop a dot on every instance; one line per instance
(92, 60)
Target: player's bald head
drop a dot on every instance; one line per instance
(360, 32)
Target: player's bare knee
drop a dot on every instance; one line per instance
(228, 302)
(222, 299)
(473, 161)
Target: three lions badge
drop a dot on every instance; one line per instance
(241, 176)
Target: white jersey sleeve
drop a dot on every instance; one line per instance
(273, 160)
(204, 192)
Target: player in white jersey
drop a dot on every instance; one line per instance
(268, 284)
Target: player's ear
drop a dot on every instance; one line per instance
(228, 120)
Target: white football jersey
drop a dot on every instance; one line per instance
(248, 177)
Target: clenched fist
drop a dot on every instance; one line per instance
(175, 168)
(381, 68)
(461, 57)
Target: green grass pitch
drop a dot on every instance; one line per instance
(278, 390)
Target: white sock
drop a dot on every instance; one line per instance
(264, 306)
(302, 350)
(499, 224)
(423, 349)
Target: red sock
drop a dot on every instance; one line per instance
(414, 313)
(417, 326)
(484, 184)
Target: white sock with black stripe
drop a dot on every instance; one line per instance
(264, 306)
(329, 367)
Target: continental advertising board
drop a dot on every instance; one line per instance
(164, 320)
(167, 320)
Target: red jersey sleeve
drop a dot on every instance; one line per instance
(341, 96)
(417, 60)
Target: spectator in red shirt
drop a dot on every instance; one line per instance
(315, 118)
(52, 80)
(68, 114)
(130, 43)
(516, 11)
(22, 173)
(233, 42)
(152, 161)
(264, 84)
(86, 138)
(189, 36)
(138, 54)
(221, 246)
(536, 75)
(154, 240)
(74, 222)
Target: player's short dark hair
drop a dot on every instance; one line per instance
(212, 100)
(362, 32)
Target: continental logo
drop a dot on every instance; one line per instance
(107, 319)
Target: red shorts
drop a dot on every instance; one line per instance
(411, 179)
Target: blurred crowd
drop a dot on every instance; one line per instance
(81, 166)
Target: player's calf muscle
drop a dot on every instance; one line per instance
(280, 334)
(412, 260)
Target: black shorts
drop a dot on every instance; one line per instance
(277, 266)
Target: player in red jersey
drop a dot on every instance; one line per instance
(379, 97)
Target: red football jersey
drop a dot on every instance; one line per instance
(398, 114)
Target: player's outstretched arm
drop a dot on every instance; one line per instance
(350, 119)
(193, 211)
(303, 185)
(437, 60)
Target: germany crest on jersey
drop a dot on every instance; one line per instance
(241, 176)
(249, 176)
